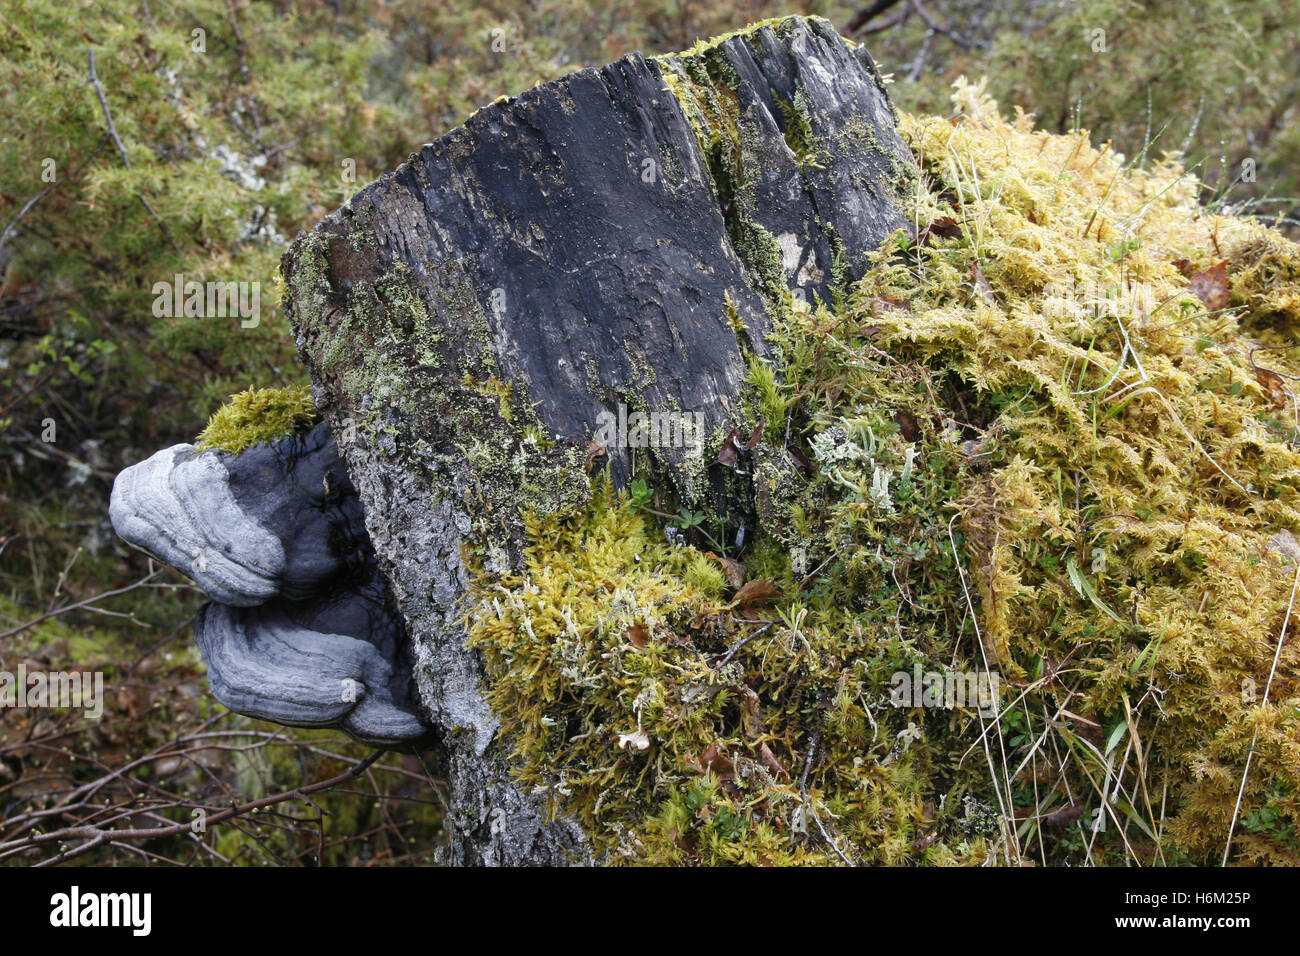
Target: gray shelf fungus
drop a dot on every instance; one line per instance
(302, 629)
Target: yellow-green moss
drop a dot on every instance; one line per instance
(1135, 465)
(255, 416)
(613, 631)
(1079, 498)
(704, 83)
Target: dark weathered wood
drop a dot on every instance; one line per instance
(589, 243)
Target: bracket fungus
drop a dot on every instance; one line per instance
(302, 629)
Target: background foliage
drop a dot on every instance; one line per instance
(228, 126)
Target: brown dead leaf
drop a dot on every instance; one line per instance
(594, 450)
(945, 227)
(729, 453)
(714, 761)
(884, 303)
(1088, 729)
(1273, 385)
(920, 846)
(639, 636)
(1211, 286)
(751, 711)
(755, 592)
(1063, 816)
(907, 425)
(685, 842)
(733, 570)
(732, 445)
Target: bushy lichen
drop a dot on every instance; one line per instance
(255, 416)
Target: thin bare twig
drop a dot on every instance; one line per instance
(86, 605)
(95, 836)
(126, 160)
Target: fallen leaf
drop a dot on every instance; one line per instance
(756, 436)
(1088, 729)
(1211, 286)
(729, 453)
(922, 844)
(714, 761)
(907, 425)
(751, 712)
(1273, 384)
(594, 450)
(945, 227)
(1063, 816)
(763, 589)
(769, 761)
(733, 570)
(685, 842)
(884, 303)
(800, 458)
(639, 636)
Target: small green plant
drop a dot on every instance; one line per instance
(640, 495)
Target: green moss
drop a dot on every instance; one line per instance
(726, 721)
(257, 416)
(704, 83)
(496, 388)
(779, 24)
(797, 129)
(1080, 502)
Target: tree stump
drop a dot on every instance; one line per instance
(611, 243)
